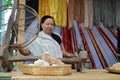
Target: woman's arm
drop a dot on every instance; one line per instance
(65, 53)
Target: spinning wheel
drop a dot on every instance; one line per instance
(17, 23)
(27, 25)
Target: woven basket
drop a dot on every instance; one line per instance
(47, 71)
(112, 70)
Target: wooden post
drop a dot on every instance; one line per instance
(118, 44)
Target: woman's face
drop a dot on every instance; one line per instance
(48, 25)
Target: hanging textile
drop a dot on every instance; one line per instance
(107, 14)
(62, 13)
(54, 8)
(44, 7)
(79, 12)
(96, 12)
(113, 13)
(106, 11)
(66, 38)
(70, 13)
(88, 13)
(73, 40)
(58, 9)
(75, 11)
(118, 13)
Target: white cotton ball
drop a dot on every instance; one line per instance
(41, 62)
(54, 65)
(45, 63)
(38, 62)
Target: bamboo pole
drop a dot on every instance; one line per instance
(21, 34)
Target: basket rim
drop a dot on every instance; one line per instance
(28, 65)
(113, 70)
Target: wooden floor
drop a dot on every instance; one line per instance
(91, 74)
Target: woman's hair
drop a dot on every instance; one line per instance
(43, 20)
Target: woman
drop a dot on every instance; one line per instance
(45, 43)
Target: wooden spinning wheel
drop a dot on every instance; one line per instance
(27, 26)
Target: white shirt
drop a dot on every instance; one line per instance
(45, 43)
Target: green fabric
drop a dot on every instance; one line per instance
(5, 77)
(1, 70)
(14, 63)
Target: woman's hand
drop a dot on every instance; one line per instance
(24, 52)
(67, 54)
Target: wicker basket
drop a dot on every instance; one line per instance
(47, 71)
(113, 70)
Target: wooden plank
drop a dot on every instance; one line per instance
(32, 58)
